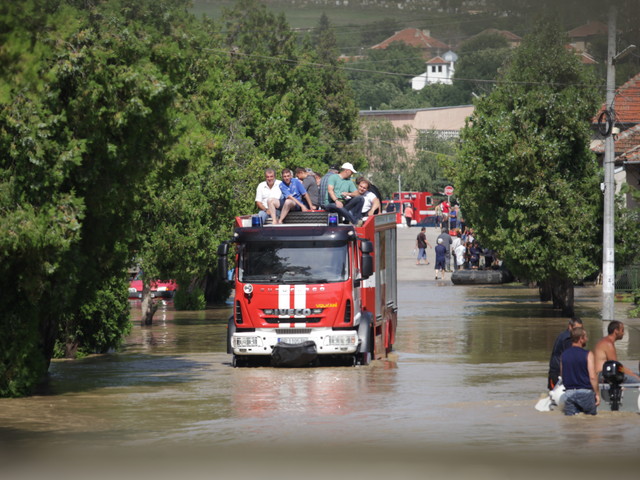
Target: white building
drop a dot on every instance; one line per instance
(439, 70)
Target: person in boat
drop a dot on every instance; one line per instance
(605, 350)
(563, 341)
(577, 367)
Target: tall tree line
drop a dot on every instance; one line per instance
(131, 129)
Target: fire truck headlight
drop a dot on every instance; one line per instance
(247, 342)
(344, 340)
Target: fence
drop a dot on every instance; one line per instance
(628, 278)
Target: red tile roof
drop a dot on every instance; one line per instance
(415, 38)
(626, 102)
(632, 155)
(437, 61)
(588, 30)
(626, 145)
(509, 36)
(584, 57)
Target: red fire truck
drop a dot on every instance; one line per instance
(421, 202)
(312, 290)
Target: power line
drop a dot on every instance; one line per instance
(385, 73)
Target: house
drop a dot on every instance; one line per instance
(445, 121)
(512, 39)
(415, 37)
(580, 37)
(627, 141)
(583, 56)
(439, 70)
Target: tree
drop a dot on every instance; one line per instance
(86, 112)
(480, 59)
(526, 178)
(385, 148)
(434, 155)
(396, 64)
(435, 95)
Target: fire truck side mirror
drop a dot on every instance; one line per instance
(367, 266)
(223, 264)
(367, 260)
(367, 246)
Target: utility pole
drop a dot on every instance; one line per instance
(608, 251)
(400, 197)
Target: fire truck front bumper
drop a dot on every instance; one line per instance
(328, 341)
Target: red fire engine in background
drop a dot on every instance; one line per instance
(326, 289)
(422, 204)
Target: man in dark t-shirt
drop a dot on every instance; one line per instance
(563, 341)
(578, 370)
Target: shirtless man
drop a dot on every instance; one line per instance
(605, 350)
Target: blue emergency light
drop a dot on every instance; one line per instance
(256, 221)
(332, 219)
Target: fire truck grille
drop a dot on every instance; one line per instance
(293, 331)
(293, 320)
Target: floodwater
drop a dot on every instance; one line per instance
(456, 401)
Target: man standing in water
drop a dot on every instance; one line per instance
(577, 367)
(605, 350)
(563, 341)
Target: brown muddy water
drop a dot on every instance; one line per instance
(455, 401)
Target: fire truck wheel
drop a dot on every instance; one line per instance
(239, 361)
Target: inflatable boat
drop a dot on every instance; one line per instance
(481, 277)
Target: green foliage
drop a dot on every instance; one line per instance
(434, 155)
(189, 299)
(435, 95)
(129, 129)
(397, 64)
(385, 147)
(99, 325)
(480, 60)
(627, 224)
(526, 177)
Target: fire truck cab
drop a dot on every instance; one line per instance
(312, 284)
(421, 202)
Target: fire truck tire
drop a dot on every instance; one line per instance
(365, 330)
(239, 361)
(231, 329)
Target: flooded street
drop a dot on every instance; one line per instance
(468, 368)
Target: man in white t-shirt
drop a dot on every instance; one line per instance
(371, 203)
(268, 196)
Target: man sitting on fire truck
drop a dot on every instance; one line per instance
(342, 195)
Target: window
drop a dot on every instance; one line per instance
(294, 262)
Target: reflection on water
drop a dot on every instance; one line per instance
(470, 364)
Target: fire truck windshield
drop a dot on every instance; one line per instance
(293, 262)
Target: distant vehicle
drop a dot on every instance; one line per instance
(159, 288)
(421, 202)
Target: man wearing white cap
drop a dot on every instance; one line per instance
(343, 196)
